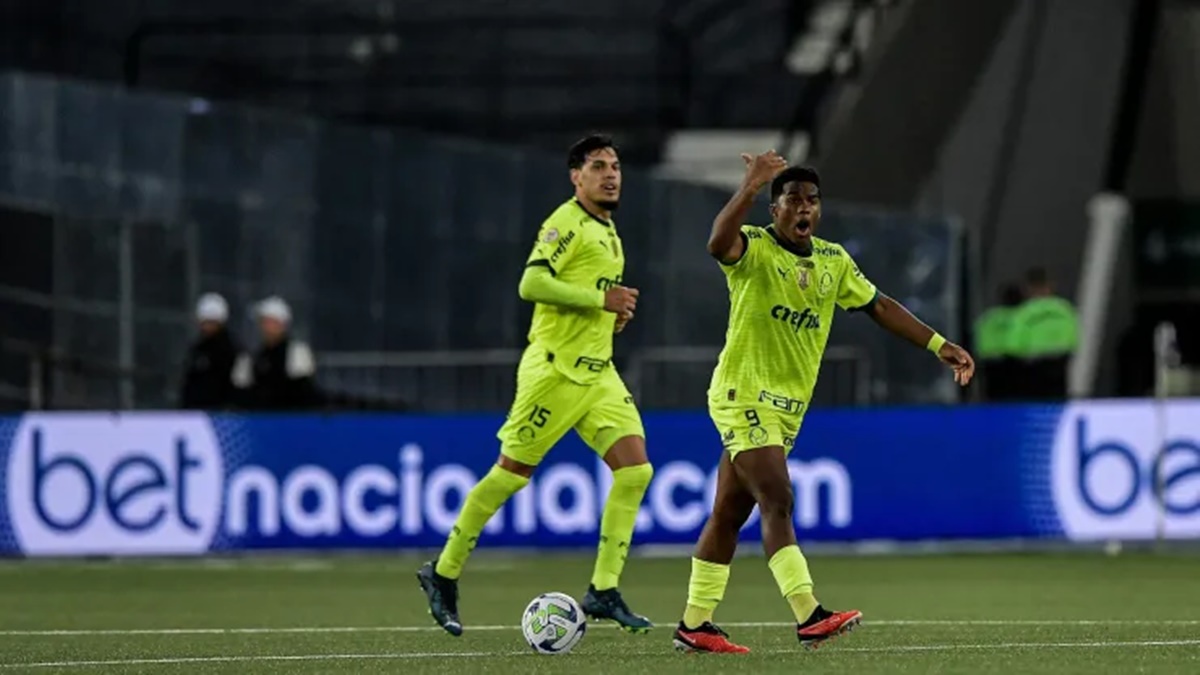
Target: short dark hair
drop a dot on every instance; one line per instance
(1011, 295)
(1037, 276)
(585, 146)
(803, 174)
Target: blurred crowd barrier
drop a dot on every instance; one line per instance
(120, 208)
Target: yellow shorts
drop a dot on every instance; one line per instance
(748, 427)
(548, 405)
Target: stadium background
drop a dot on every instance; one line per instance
(155, 151)
(383, 166)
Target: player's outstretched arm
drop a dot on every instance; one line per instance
(899, 321)
(538, 284)
(725, 242)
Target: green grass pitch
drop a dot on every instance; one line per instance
(1034, 613)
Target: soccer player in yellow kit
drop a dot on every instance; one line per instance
(565, 381)
(783, 286)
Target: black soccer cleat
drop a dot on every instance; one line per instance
(443, 598)
(608, 604)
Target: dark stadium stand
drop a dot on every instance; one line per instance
(536, 71)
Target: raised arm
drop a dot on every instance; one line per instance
(900, 322)
(725, 242)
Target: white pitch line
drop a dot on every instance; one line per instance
(1017, 622)
(469, 628)
(1023, 645)
(896, 649)
(241, 659)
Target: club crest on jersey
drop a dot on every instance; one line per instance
(551, 235)
(826, 283)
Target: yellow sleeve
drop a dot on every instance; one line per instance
(855, 291)
(557, 242)
(752, 238)
(539, 285)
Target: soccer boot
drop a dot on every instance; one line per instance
(705, 638)
(443, 598)
(824, 625)
(610, 605)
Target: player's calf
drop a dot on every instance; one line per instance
(775, 505)
(825, 625)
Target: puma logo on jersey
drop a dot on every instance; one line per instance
(782, 273)
(804, 319)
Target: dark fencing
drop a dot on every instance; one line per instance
(119, 209)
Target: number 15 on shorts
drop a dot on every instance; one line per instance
(539, 416)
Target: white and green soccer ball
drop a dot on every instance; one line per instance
(553, 623)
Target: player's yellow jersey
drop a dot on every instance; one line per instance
(780, 312)
(583, 250)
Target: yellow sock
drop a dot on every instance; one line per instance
(481, 504)
(694, 616)
(795, 583)
(706, 589)
(803, 605)
(616, 526)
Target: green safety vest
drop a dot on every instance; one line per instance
(993, 333)
(1045, 327)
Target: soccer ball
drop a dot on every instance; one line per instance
(553, 623)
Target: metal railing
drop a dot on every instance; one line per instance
(425, 380)
(433, 381)
(658, 377)
(173, 201)
(56, 379)
(678, 377)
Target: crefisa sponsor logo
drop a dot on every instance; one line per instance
(1109, 460)
(114, 484)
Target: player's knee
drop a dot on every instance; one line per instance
(634, 478)
(624, 450)
(513, 466)
(730, 519)
(777, 504)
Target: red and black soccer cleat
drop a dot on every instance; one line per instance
(825, 625)
(705, 638)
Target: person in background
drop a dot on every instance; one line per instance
(280, 374)
(207, 380)
(1045, 336)
(993, 346)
